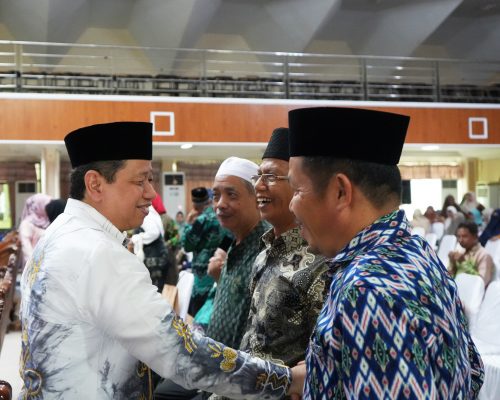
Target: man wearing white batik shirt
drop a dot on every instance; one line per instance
(92, 320)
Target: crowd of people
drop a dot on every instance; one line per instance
(472, 224)
(308, 281)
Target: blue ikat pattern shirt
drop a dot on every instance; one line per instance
(392, 326)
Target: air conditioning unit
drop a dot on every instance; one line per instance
(488, 194)
(174, 193)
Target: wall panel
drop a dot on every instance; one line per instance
(47, 118)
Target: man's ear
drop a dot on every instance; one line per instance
(93, 185)
(342, 190)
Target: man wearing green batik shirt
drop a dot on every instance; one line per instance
(202, 234)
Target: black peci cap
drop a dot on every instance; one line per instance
(111, 141)
(199, 195)
(352, 133)
(279, 145)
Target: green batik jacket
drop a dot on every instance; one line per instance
(202, 238)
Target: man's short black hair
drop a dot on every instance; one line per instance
(107, 169)
(378, 182)
(470, 226)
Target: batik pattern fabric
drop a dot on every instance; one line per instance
(202, 238)
(392, 326)
(232, 299)
(288, 290)
(94, 325)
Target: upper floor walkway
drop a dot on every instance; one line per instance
(100, 69)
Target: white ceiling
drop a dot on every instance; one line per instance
(468, 29)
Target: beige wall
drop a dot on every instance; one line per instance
(489, 171)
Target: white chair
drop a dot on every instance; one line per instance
(418, 230)
(493, 249)
(471, 293)
(491, 385)
(184, 290)
(431, 239)
(438, 229)
(486, 336)
(487, 325)
(448, 243)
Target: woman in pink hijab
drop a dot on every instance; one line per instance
(34, 221)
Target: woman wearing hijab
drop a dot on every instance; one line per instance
(34, 221)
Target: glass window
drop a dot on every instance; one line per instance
(5, 215)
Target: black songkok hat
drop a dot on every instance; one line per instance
(279, 145)
(357, 134)
(199, 195)
(112, 141)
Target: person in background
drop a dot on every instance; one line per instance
(93, 323)
(149, 241)
(431, 214)
(448, 201)
(468, 202)
(474, 259)
(419, 220)
(180, 221)
(453, 219)
(54, 208)
(34, 221)
(492, 229)
(380, 334)
(202, 234)
(171, 238)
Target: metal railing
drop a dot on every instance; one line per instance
(79, 68)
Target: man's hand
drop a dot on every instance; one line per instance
(298, 376)
(456, 256)
(192, 215)
(216, 263)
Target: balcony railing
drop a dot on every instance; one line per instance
(101, 69)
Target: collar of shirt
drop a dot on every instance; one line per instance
(237, 251)
(370, 236)
(80, 209)
(474, 249)
(288, 242)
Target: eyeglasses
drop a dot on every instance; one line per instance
(268, 179)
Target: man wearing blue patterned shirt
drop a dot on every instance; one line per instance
(392, 326)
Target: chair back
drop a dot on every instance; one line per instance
(438, 229)
(184, 290)
(448, 243)
(493, 249)
(431, 239)
(487, 324)
(471, 293)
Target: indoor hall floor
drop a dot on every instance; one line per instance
(9, 362)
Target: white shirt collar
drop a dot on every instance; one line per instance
(80, 209)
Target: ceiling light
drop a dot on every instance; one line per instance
(186, 146)
(430, 147)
